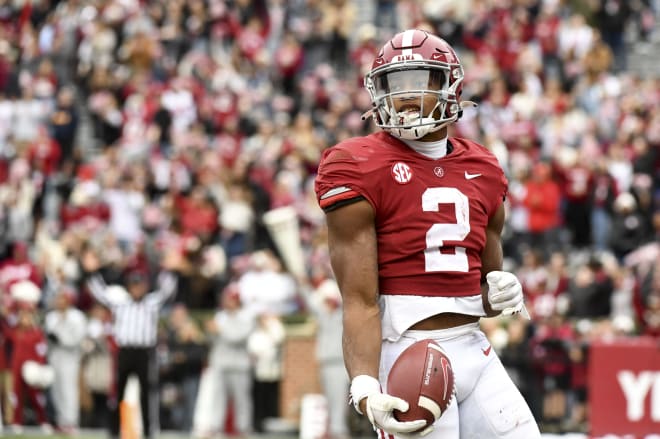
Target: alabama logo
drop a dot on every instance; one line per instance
(401, 173)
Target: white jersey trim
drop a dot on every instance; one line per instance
(400, 312)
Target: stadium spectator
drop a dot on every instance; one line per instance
(265, 287)
(65, 327)
(229, 368)
(265, 345)
(183, 353)
(64, 123)
(518, 362)
(550, 356)
(628, 226)
(325, 303)
(28, 345)
(18, 268)
(590, 291)
(543, 202)
(18, 194)
(97, 369)
(603, 193)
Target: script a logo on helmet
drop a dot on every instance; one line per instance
(401, 173)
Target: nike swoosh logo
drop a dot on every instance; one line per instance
(487, 350)
(471, 176)
(446, 370)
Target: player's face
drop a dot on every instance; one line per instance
(137, 289)
(410, 89)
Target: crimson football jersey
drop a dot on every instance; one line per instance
(431, 215)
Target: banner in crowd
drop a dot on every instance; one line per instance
(624, 387)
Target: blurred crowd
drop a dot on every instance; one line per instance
(128, 127)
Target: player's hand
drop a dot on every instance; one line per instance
(379, 408)
(505, 293)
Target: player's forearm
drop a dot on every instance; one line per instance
(361, 340)
(490, 312)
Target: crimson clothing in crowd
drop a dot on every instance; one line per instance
(199, 218)
(576, 182)
(12, 271)
(604, 191)
(550, 352)
(90, 214)
(28, 344)
(546, 30)
(646, 314)
(542, 200)
(44, 154)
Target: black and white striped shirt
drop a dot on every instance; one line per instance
(135, 322)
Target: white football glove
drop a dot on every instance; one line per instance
(380, 407)
(505, 293)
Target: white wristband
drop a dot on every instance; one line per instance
(361, 387)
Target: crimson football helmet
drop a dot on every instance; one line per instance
(413, 66)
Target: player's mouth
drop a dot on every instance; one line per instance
(409, 108)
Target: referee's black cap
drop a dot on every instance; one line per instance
(136, 276)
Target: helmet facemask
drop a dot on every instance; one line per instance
(400, 93)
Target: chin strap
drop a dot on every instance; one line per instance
(465, 104)
(367, 114)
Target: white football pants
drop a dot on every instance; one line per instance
(487, 404)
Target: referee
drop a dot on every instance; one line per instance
(135, 329)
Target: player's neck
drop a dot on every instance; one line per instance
(435, 149)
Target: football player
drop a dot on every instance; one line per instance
(414, 221)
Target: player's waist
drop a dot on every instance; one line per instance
(444, 320)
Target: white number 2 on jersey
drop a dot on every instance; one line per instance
(441, 232)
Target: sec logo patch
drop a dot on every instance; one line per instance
(402, 173)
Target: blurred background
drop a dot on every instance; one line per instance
(134, 129)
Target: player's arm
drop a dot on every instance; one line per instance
(353, 254)
(501, 291)
(492, 256)
(352, 244)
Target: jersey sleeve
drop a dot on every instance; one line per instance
(503, 187)
(498, 185)
(339, 179)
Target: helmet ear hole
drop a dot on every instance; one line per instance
(453, 109)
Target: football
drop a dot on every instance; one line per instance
(422, 376)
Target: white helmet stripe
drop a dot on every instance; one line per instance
(406, 41)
